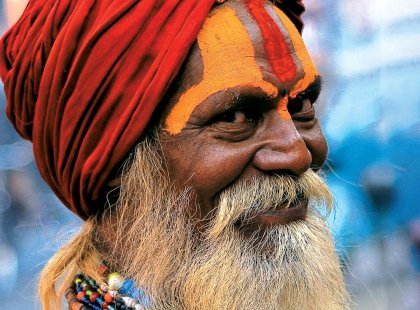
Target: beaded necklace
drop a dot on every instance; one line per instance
(117, 294)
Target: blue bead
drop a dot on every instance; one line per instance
(146, 301)
(127, 286)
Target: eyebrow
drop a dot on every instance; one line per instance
(313, 90)
(248, 99)
(243, 100)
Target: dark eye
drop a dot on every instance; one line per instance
(236, 116)
(299, 106)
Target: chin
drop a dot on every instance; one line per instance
(287, 266)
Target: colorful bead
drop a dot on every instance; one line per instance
(129, 301)
(115, 281)
(108, 297)
(102, 268)
(85, 286)
(80, 296)
(113, 293)
(102, 297)
(93, 297)
(127, 286)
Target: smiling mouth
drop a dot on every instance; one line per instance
(277, 216)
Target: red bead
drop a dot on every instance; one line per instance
(101, 269)
(105, 305)
(108, 298)
(80, 296)
(93, 297)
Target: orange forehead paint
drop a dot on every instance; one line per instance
(279, 52)
(276, 48)
(228, 61)
(282, 109)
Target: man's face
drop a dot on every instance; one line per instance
(232, 160)
(244, 107)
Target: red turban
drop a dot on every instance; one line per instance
(83, 77)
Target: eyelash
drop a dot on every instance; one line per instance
(296, 105)
(251, 116)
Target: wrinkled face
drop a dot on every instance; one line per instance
(243, 107)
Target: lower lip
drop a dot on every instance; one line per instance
(295, 212)
(281, 217)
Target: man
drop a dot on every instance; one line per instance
(216, 205)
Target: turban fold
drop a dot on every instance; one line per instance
(83, 77)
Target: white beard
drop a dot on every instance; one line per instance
(291, 266)
(301, 272)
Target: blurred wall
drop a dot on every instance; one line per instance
(369, 54)
(33, 223)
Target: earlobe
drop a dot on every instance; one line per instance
(115, 182)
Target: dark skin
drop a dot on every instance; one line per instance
(238, 133)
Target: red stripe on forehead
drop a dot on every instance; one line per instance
(276, 48)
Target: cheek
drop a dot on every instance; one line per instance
(204, 167)
(218, 167)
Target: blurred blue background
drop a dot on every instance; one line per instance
(368, 52)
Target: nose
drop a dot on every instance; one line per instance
(282, 149)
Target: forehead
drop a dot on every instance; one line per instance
(242, 43)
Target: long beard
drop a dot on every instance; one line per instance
(291, 266)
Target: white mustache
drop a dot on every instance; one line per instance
(245, 200)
